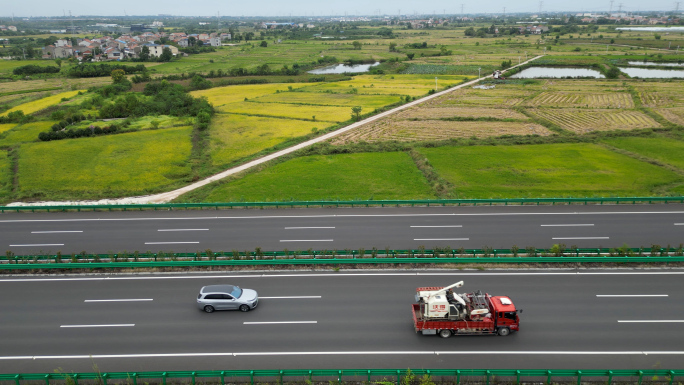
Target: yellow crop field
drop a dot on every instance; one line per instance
(580, 121)
(674, 115)
(7, 127)
(324, 99)
(41, 104)
(220, 96)
(122, 164)
(237, 136)
(413, 85)
(460, 112)
(296, 111)
(23, 133)
(582, 99)
(406, 131)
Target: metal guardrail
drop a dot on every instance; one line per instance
(343, 257)
(382, 376)
(354, 203)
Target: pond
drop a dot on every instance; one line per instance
(557, 72)
(650, 63)
(648, 73)
(343, 68)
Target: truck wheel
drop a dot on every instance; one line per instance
(504, 332)
(445, 333)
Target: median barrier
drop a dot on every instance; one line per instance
(369, 376)
(347, 257)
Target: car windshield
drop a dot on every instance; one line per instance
(237, 292)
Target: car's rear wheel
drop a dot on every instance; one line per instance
(244, 308)
(209, 309)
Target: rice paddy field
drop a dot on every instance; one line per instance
(661, 148)
(41, 104)
(124, 164)
(582, 122)
(24, 133)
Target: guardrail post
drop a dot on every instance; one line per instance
(251, 377)
(641, 376)
(458, 377)
(548, 377)
(610, 377)
(398, 377)
(135, 378)
(192, 375)
(672, 376)
(281, 377)
(517, 377)
(369, 375)
(16, 378)
(339, 377)
(223, 373)
(489, 374)
(311, 375)
(47, 380)
(76, 379)
(579, 377)
(164, 378)
(104, 378)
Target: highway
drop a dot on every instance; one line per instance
(343, 228)
(602, 319)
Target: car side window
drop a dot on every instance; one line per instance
(226, 296)
(213, 296)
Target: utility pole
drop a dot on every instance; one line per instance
(619, 12)
(462, 10)
(610, 10)
(540, 7)
(504, 15)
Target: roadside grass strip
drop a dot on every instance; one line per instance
(237, 136)
(130, 163)
(220, 96)
(340, 177)
(41, 104)
(5, 175)
(24, 133)
(548, 170)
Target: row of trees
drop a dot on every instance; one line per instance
(32, 69)
(78, 133)
(97, 70)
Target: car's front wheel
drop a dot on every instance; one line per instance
(244, 308)
(209, 309)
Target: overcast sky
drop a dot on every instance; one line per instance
(313, 8)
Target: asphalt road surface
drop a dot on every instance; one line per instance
(611, 319)
(343, 228)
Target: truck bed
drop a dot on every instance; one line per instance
(486, 326)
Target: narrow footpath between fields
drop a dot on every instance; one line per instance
(171, 195)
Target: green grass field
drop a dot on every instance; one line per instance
(554, 170)
(296, 111)
(339, 177)
(23, 133)
(114, 165)
(662, 149)
(237, 136)
(5, 176)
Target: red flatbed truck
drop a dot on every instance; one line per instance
(439, 311)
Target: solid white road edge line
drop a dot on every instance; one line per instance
(280, 322)
(650, 321)
(441, 239)
(632, 295)
(570, 238)
(345, 216)
(359, 353)
(569, 225)
(119, 300)
(39, 244)
(342, 275)
(438, 226)
(56, 232)
(97, 326)
(299, 297)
